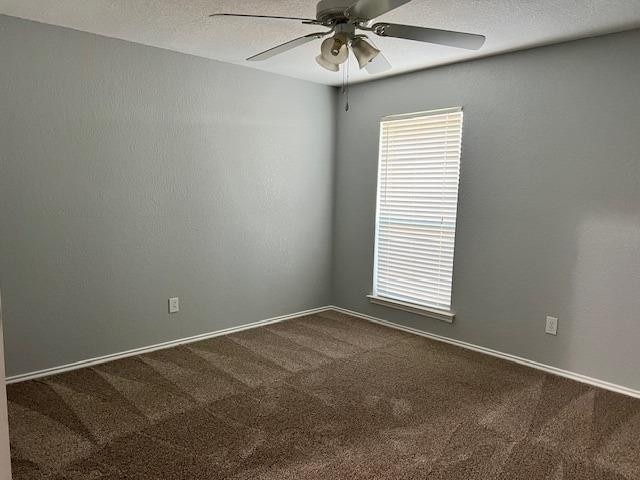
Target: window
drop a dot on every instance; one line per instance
(419, 168)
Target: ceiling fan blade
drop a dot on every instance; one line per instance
(368, 9)
(309, 20)
(287, 46)
(430, 35)
(378, 65)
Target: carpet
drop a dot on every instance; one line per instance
(324, 396)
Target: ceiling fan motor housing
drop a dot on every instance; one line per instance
(330, 12)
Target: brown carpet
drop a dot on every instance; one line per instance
(319, 397)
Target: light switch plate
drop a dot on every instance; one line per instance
(174, 305)
(552, 326)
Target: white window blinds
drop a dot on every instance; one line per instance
(417, 202)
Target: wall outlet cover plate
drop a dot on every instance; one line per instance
(174, 305)
(552, 326)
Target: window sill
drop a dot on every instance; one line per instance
(412, 308)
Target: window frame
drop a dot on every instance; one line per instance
(419, 309)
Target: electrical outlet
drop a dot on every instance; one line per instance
(174, 305)
(552, 326)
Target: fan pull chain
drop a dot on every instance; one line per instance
(345, 85)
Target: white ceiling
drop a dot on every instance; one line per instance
(184, 26)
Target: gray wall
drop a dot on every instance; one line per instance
(130, 174)
(549, 209)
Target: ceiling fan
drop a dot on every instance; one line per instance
(345, 19)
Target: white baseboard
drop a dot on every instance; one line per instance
(159, 346)
(494, 353)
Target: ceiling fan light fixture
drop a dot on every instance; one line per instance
(335, 50)
(328, 65)
(364, 51)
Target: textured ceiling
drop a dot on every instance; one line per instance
(183, 25)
